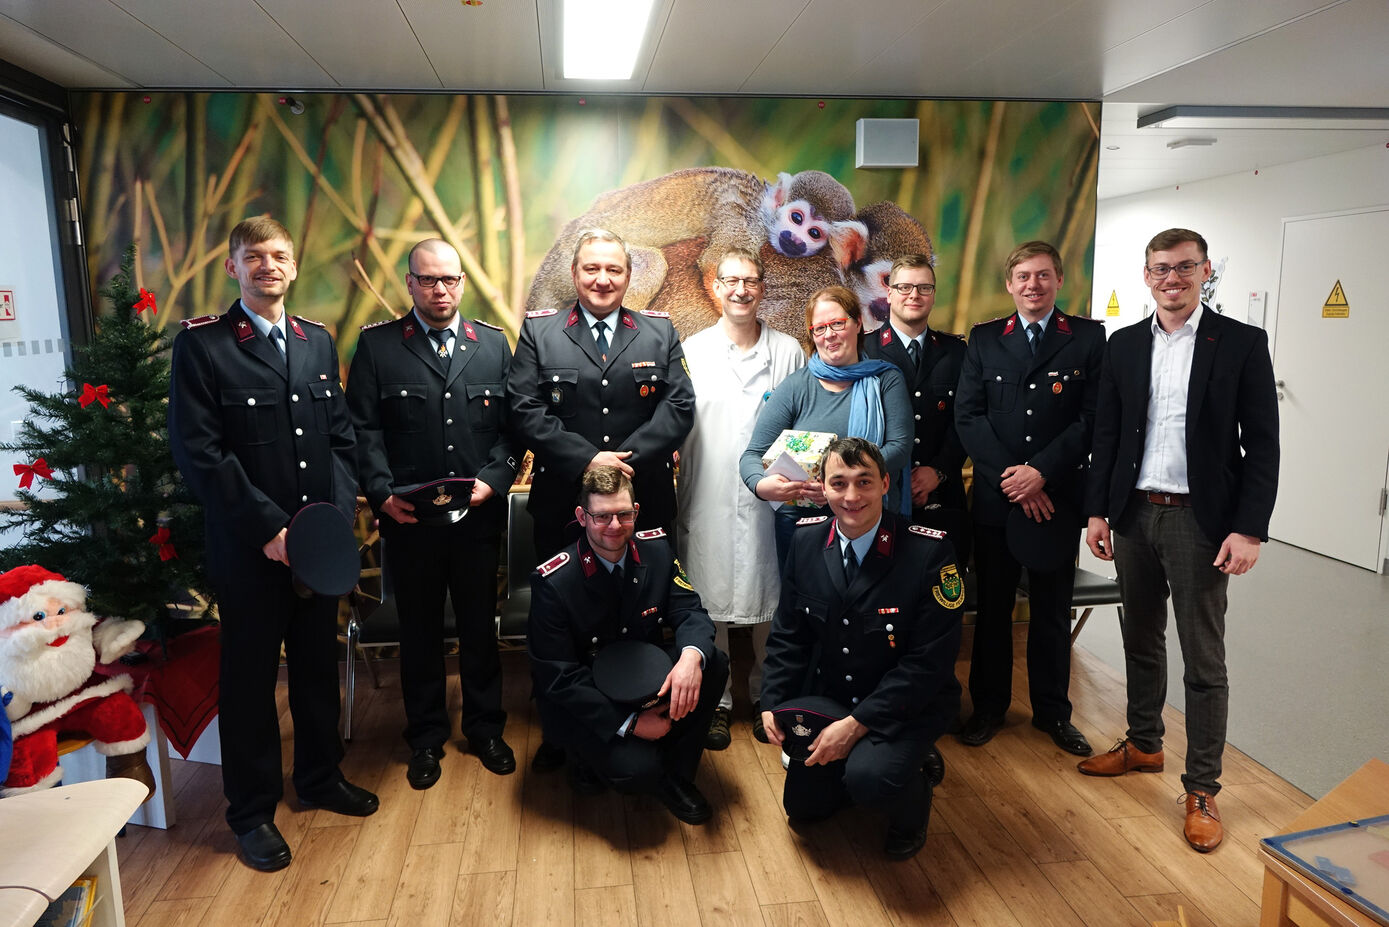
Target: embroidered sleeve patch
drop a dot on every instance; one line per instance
(681, 579)
(950, 593)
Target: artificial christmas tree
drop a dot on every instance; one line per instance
(103, 499)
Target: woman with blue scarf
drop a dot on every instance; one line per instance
(836, 393)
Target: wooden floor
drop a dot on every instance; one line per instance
(1016, 837)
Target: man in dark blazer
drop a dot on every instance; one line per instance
(583, 397)
(868, 618)
(1184, 472)
(1025, 408)
(614, 585)
(427, 397)
(931, 361)
(259, 428)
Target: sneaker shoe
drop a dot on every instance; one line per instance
(718, 737)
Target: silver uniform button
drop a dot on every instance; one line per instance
(606, 439)
(917, 417)
(653, 376)
(916, 440)
(251, 401)
(848, 677)
(846, 649)
(917, 394)
(487, 392)
(304, 498)
(449, 448)
(555, 379)
(1032, 386)
(605, 382)
(451, 473)
(303, 465)
(404, 393)
(605, 411)
(1029, 411)
(294, 398)
(889, 628)
(1028, 438)
(462, 347)
(299, 431)
(328, 392)
(855, 700)
(448, 421)
(846, 622)
(595, 640)
(448, 395)
(998, 378)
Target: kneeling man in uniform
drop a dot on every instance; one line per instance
(614, 585)
(869, 621)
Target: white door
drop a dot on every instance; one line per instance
(1332, 366)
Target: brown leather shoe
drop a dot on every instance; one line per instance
(1123, 757)
(1202, 830)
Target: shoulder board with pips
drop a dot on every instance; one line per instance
(540, 313)
(812, 520)
(310, 321)
(200, 321)
(554, 563)
(654, 313)
(649, 535)
(928, 532)
(496, 328)
(377, 324)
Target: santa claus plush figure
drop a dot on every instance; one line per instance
(49, 646)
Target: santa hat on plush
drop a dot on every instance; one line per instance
(46, 648)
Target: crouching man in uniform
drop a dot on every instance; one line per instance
(869, 619)
(614, 585)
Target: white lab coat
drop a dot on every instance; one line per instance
(723, 532)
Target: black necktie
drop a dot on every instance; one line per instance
(442, 337)
(616, 575)
(850, 565)
(601, 329)
(1035, 330)
(277, 338)
(914, 352)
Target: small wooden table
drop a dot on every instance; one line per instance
(1293, 900)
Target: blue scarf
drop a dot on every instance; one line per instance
(866, 409)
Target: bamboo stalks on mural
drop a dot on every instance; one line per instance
(484, 190)
(974, 229)
(1072, 235)
(731, 150)
(388, 126)
(511, 183)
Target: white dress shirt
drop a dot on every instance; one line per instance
(1164, 450)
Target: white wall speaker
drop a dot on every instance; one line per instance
(886, 143)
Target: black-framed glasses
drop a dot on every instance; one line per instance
(428, 280)
(925, 289)
(1184, 269)
(751, 283)
(833, 325)
(606, 518)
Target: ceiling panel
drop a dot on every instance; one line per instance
(363, 44)
(112, 39)
(702, 52)
(235, 38)
(26, 48)
(464, 48)
(832, 38)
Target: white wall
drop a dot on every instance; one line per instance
(1240, 216)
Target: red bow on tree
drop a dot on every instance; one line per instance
(146, 302)
(92, 394)
(166, 550)
(26, 472)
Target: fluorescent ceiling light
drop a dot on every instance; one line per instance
(1265, 117)
(602, 37)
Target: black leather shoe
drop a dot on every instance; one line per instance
(583, 780)
(1065, 735)
(263, 848)
(423, 769)
(904, 844)
(496, 756)
(342, 797)
(934, 767)
(684, 800)
(979, 730)
(548, 758)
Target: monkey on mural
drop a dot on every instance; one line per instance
(891, 234)
(805, 216)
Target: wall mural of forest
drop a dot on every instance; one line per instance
(508, 181)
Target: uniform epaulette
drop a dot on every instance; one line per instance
(954, 335)
(540, 313)
(654, 313)
(936, 533)
(999, 318)
(650, 535)
(812, 520)
(497, 328)
(377, 324)
(311, 321)
(199, 321)
(554, 563)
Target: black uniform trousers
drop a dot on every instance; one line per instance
(879, 773)
(259, 609)
(428, 563)
(1048, 631)
(631, 764)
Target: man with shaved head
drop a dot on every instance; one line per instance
(427, 397)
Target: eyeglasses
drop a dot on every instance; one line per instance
(427, 281)
(1184, 269)
(751, 283)
(834, 325)
(606, 518)
(925, 289)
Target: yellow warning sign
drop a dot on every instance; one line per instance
(1113, 307)
(1336, 305)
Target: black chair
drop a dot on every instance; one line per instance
(373, 624)
(1089, 592)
